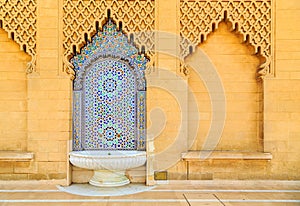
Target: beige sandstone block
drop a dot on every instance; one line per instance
(48, 22)
(287, 34)
(62, 94)
(13, 85)
(60, 136)
(25, 167)
(57, 156)
(51, 54)
(288, 65)
(13, 176)
(6, 167)
(288, 55)
(291, 16)
(12, 96)
(41, 156)
(176, 176)
(287, 46)
(49, 66)
(9, 46)
(288, 5)
(33, 125)
(48, 167)
(62, 167)
(37, 176)
(14, 66)
(14, 106)
(276, 146)
(38, 136)
(57, 176)
(16, 57)
(53, 125)
(49, 146)
(5, 75)
(49, 43)
(48, 32)
(49, 12)
(3, 36)
(51, 72)
(81, 176)
(48, 4)
(63, 146)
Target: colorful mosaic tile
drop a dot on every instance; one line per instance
(77, 120)
(109, 108)
(141, 118)
(109, 94)
(113, 43)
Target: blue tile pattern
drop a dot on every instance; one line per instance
(141, 118)
(110, 100)
(109, 43)
(109, 95)
(77, 120)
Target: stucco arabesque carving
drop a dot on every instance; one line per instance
(197, 18)
(251, 18)
(18, 18)
(82, 19)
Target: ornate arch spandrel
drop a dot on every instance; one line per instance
(251, 18)
(82, 18)
(18, 19)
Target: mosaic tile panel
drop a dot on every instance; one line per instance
(109, 93)
(141, 119)
(77, 120)
(109, 106)
(113, 43)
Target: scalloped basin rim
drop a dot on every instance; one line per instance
(106, 159)
(99, 154)
(109, 165)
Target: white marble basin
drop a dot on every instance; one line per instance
(109, 165)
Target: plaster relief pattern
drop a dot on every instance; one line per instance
(83, 18)
(18, 18)
(250, 18)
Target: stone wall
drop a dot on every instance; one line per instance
(262, 116)
(236, 64)
(13, 103)
(275, 101)
(13, 95)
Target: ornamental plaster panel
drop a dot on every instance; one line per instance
(251, 18)
(18, 18)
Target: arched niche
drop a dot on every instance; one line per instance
(109, 93)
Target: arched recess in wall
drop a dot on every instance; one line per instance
(235, 62)
(18, 19)
(81, 20)
(250, 18)
(13, 95)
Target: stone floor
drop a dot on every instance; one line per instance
(218, 193)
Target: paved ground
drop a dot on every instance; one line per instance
(217, 193)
